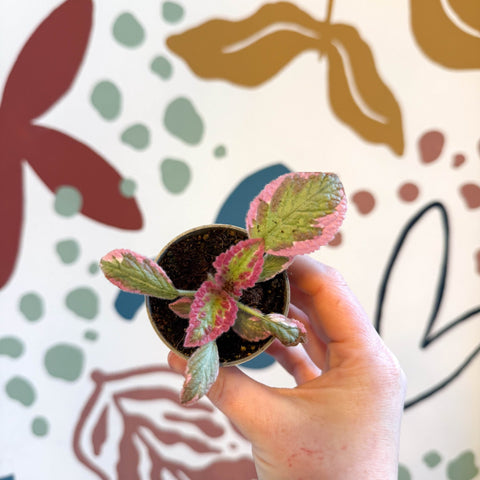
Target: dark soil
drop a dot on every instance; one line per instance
(187, 261)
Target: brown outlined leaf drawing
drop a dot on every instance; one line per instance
(249, 52)
(448, 32)
(133, 425)
(358, 95)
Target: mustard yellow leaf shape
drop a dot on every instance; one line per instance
(358, 96)
(247, 52)
(449, 37)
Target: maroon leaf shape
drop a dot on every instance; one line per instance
(99, 434)
(48, 63)
(60, 160)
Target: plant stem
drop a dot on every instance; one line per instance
(329, 11)
(186, 293)
(249, 310)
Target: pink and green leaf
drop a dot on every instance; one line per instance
(181, 307)
(135, 273)
(288, 330)
(240, 266)
(250, 327)
(273, 265)
(297, 213)
(212, 313)
(202, 371)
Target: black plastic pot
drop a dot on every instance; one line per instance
(187, 260)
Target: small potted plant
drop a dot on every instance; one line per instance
(217, 308)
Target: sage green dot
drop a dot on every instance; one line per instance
(137, 136)
(220, 151)
(107, 100)
(162, 67)
(21, 390)
(11, 347)
(175, 175)
(91, 335)
(182, 120)
(128, 187)
(68, 201)
(403, 473)
(93, 268)
(432, 459)
(172, 12)
(84, 302)
(31, 305)
(128, 31)
(40, 426)
(64, 361)
(463, 467)
(68, 250)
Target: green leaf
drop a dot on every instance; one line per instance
(135, 273)
(250, 327)
(289, 331)
(202, 371)
(273, 265)
(297, 213)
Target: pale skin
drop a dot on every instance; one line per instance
(342, 420)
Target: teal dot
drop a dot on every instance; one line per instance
(84, 302)
(182, 120)
(128, 187)
(40, 426)
(11, 347)
(68, 201)
(220, 151)
(64, 361)
(403, 473)
(432, 459)
(172, 12)
(91, 335)
(68, 250)
(20, 389)
(106, 99)
(128, 31)
(31, 305)
(93, 268)
(162, 67)
(137, 136)
(175, 175)
(463, 467)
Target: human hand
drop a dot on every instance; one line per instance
(342, 420)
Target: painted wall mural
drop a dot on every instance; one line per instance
(122, 125)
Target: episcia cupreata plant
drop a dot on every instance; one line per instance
(294, 214)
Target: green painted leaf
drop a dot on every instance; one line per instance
(135, 273)
(297, 213)
(202, 371)
(273, 265)
(250, 327)
(289, 331)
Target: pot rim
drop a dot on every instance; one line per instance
(161, 336)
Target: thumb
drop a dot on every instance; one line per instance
(236, 395)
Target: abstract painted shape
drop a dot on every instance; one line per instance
(128, 187)
(68, 250)
(172, 12)
(432, 459)
(408, 192)
(364, 201)
(162, 67)
(128, 31)
(471, 195)
(449, 36)
(235, 207)
(68, 201)
(137, 412)
(182, 120)
(11, 347)
(127, 304)
(431, 145)
(83, 301)
(241, 53)
(64, 361)
(220, 151)
(21, 390)
(40, 426)
(175, 175)
(137, 136)
(458, 160)
(463, 467)
(42, 73)
(404, 473)
(31, 306)
(107, 100)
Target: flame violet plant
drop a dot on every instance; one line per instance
(294, 214)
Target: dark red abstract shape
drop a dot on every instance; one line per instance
(42, 73)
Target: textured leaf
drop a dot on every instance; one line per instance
(250, 327)
(60, 160)
(212, 313)
(240, 266)
(449, 41)
(202, 371)
(297, 213)
(231, 50)
(48, 62)
(289, 331)
(358, 96)
(273, 265)
(137, 274)
(181, 307)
